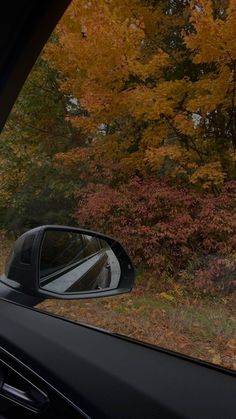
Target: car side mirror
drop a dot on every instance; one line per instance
(68, 263)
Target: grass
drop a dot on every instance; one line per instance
(199, 327)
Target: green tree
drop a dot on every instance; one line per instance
(34, 188)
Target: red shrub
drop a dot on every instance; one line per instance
(219, 275)
(163, 227)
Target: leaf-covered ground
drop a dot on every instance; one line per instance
(200, 328)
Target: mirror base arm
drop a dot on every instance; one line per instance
(11, 294)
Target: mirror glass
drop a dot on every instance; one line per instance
(71, 262)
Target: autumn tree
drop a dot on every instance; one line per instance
(152, 94)
(154, 84)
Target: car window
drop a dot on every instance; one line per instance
(127, 125)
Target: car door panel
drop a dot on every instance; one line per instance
(107, 376)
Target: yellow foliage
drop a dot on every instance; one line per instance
(184, 124)
(155, 156)
(167, 296)
(151, 104)
(211, 91)
(132, 162)
(208, 175)
(214, 38)
(112, 57)
(154, 135)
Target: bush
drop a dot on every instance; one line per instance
(167, 229)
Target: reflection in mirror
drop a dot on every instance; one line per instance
(71, 262)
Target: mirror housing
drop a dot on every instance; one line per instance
(22, 270)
